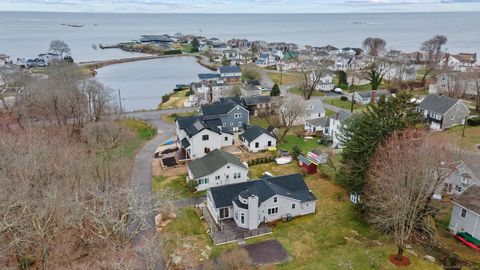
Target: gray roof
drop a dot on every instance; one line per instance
(368, 94)
(208, 76)
(230, 69)
(256, 100)
(291, 186)
(470, 199)
(317, 105)
(437, 104)
(322, 121)
(184, 142)
(253, 132)
(342, 115)
(218, 108)
(194, 124)
(212, 162)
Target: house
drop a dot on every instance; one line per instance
(336, 124)
(211, 91)
(217, 168)
(257, 139)
(258, 105)
(251, 90)
(461, 179)
(442, 112)
(331, 50)
(307, 164)
(199, 135)
(266, 60)
(265, 200)
(366, 97)
(156, 39)
(459, 62)
(326, 81)
(233, 116)
(348, 62)
(230, 74)
(4, 59)
(313, 109)
(286, 65)
(317, 125)
(465, 216)
(456, 83)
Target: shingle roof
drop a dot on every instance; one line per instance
(212, 162)
(230, 69)
(184, 142)
(254, 132)
(368, 94)
(322, 121)
(470, 199)
(292, 186)
(342, 115)
(194, 124)
(317, 106)
(208, 76)
(218, 108)
(256, 100)
(437, 104)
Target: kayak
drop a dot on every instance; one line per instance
(471, 245)
(283, 160)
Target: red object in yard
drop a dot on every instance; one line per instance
(465, 242)
(307, 164)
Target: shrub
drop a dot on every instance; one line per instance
(192, 185)
(295, 151)
(170, 52)
(343, 98)
(475, 121)
(338, 196)
(166, 97)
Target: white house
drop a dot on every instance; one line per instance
(199, 135)
(459, 62)
(461, 179)
(321, 124)
(265, 200)
(313, 109)
(335, 127)
(465, 216)
(257, 139)
(266, 60)
(326, 81)
(366, 97)
(217, 168)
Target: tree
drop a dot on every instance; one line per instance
(374, 46)
(405, 171)
(235, 91)
(195, 45)
(225, 61)
(275, 91)
(375, 73)
(432, 50)
(342, 79)
(292, 107)
(59, 47)
(363, 132)
(250, 74)
(312, 78)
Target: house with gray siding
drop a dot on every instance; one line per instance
(257, 139)
(442, 112)
(233, 116)
(366, 97)
(465, 216)
(260, 201)
(461, 179)
(217, 168)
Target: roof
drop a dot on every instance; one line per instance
(208, 76)
(256, 100)
(437, 104)
(470, 199)
(322, 121)
(253, 132)
(230, 69)
(304, 160)
(291, 186)
(218, 108)
(212, 162)
(342, 115)
(317, 105)
(194, 124)
(184, 142)
(368, 94)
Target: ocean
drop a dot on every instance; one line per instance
(26, 34)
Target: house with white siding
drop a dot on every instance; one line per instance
(465, 216)
(461, 179)
(261, 201)
(335, 127)
(217, 168)
(257, 139)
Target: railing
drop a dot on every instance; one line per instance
(218, 240)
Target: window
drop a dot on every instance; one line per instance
(275, 199)
(226, 139)
(205, 137)
(217, 177)
(224, 124)
(256, 145)
(242, 218)
(224, 213)
(236, 175)
(231, 124)
(293, 206)
(202, 181)
(273, 211)
(237, 115)
(458, 188)
(464, 213)
(269, 143)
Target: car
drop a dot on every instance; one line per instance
(338, 90)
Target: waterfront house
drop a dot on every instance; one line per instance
(459, 62)
(217, 168)
(260, 201)
(230, 74)
(461, 179)
(442, 112)
(4, 59)
(465, 216)
(211, 91)
(156, 39)
(233, 116)
(199, 135)
(366, 97)
(257, 139)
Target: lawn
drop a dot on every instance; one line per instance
(176, 100)
(286, 78)
(170, 118)
(295, 90)
(329, 113)
(469, 142)
(143, 130)
(360, 87)
(291, 140)
(261, 122)
(337, 102)
(176, 185)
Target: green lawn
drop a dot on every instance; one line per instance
(261, 122)
(360, 87)
(144, 131)
(469, 142)
(295, 90)
(176, 100)
(291, 140)
(177, 185)
(337, 102)
(329, 113)
(170, 118)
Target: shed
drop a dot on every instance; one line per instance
(304, 162)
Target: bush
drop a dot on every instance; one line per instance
(166, 97)
(250, 74)
(170, 52)
(192, 185)
(343, 98)
(475, 121)
(295, 151)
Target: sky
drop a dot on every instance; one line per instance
(241, 6)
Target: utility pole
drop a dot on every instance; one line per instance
(120, 100)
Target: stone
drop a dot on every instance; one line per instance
(158, 220)
(429, 258)
(176, 259)
(412, 252)
(378, 242)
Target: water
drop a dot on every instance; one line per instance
(26, 34)
(143, 83)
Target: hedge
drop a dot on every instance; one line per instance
(475, 121)
(172, 52)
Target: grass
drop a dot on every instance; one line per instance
(360, 87)
(329, 112)
(346, 105)
(295, 90)
(143, 130)
(291, 140)
(176, 100)
(261, 122)
(286, 78)
(176, 185)
(170, 118)
(469, 142)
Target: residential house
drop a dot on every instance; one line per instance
(156, 39)
(326, 81)
(230, 74)
(351, 51)
(442, 112)
(337, 122)
(459, 62)
(465, 216)
(217, 168)
(456, 83)
(315, 125)
(286, 65)
(265, 200)
(251, 90)
(257, 139)
(331, 50)
(348, 62)
(266, 60)
(313, 109)
(211, 91)
(199, 135)
(366, 97)
(4, 59)
(233, 116)
(258, 105)
(461, 179)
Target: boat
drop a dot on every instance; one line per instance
(283, 160)
(468, 240)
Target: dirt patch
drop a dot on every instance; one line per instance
(267, 252)
(403, 263)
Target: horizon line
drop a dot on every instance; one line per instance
(241, 13)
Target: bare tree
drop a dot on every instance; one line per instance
(235, 91)
(59, 47)
(432, 50)
(374, 46)
(292, 108)
(403, 175)
(311, 78)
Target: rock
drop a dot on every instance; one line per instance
(429, 258)
(175, 259)
(412, 252)
(354, 232)
(208, 247)
(158, 220)
(378, 242)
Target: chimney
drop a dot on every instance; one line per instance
(374, 97)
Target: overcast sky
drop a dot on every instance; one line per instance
(241, 6)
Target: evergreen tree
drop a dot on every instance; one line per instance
(364, 132)
(195, 45)
(275, 91)
(342, 79)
